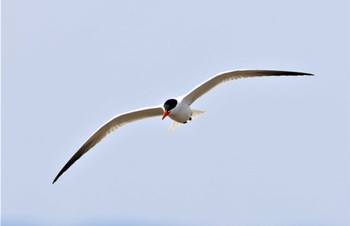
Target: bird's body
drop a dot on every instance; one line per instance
(182, 112)
(178, 109)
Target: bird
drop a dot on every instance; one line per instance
(178, 109)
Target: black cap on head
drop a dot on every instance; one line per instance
(170, 104)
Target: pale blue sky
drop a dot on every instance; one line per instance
(269, 151)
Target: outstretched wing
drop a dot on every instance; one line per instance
(204, 87)
(109, 127)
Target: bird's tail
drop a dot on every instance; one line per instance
(195, 114)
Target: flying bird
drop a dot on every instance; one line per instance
(178, 109)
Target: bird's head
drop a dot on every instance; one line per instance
(168, 106)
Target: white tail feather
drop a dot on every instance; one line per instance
(195, 114)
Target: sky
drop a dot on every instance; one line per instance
(268, 151)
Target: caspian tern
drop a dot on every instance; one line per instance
(178, 109)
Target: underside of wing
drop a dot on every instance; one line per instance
(109, 127)
(204, 87)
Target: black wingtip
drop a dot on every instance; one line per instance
(72, 160)
(59, 174)
(302, 73)
(55, 179)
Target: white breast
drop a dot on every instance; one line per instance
(181, 113)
